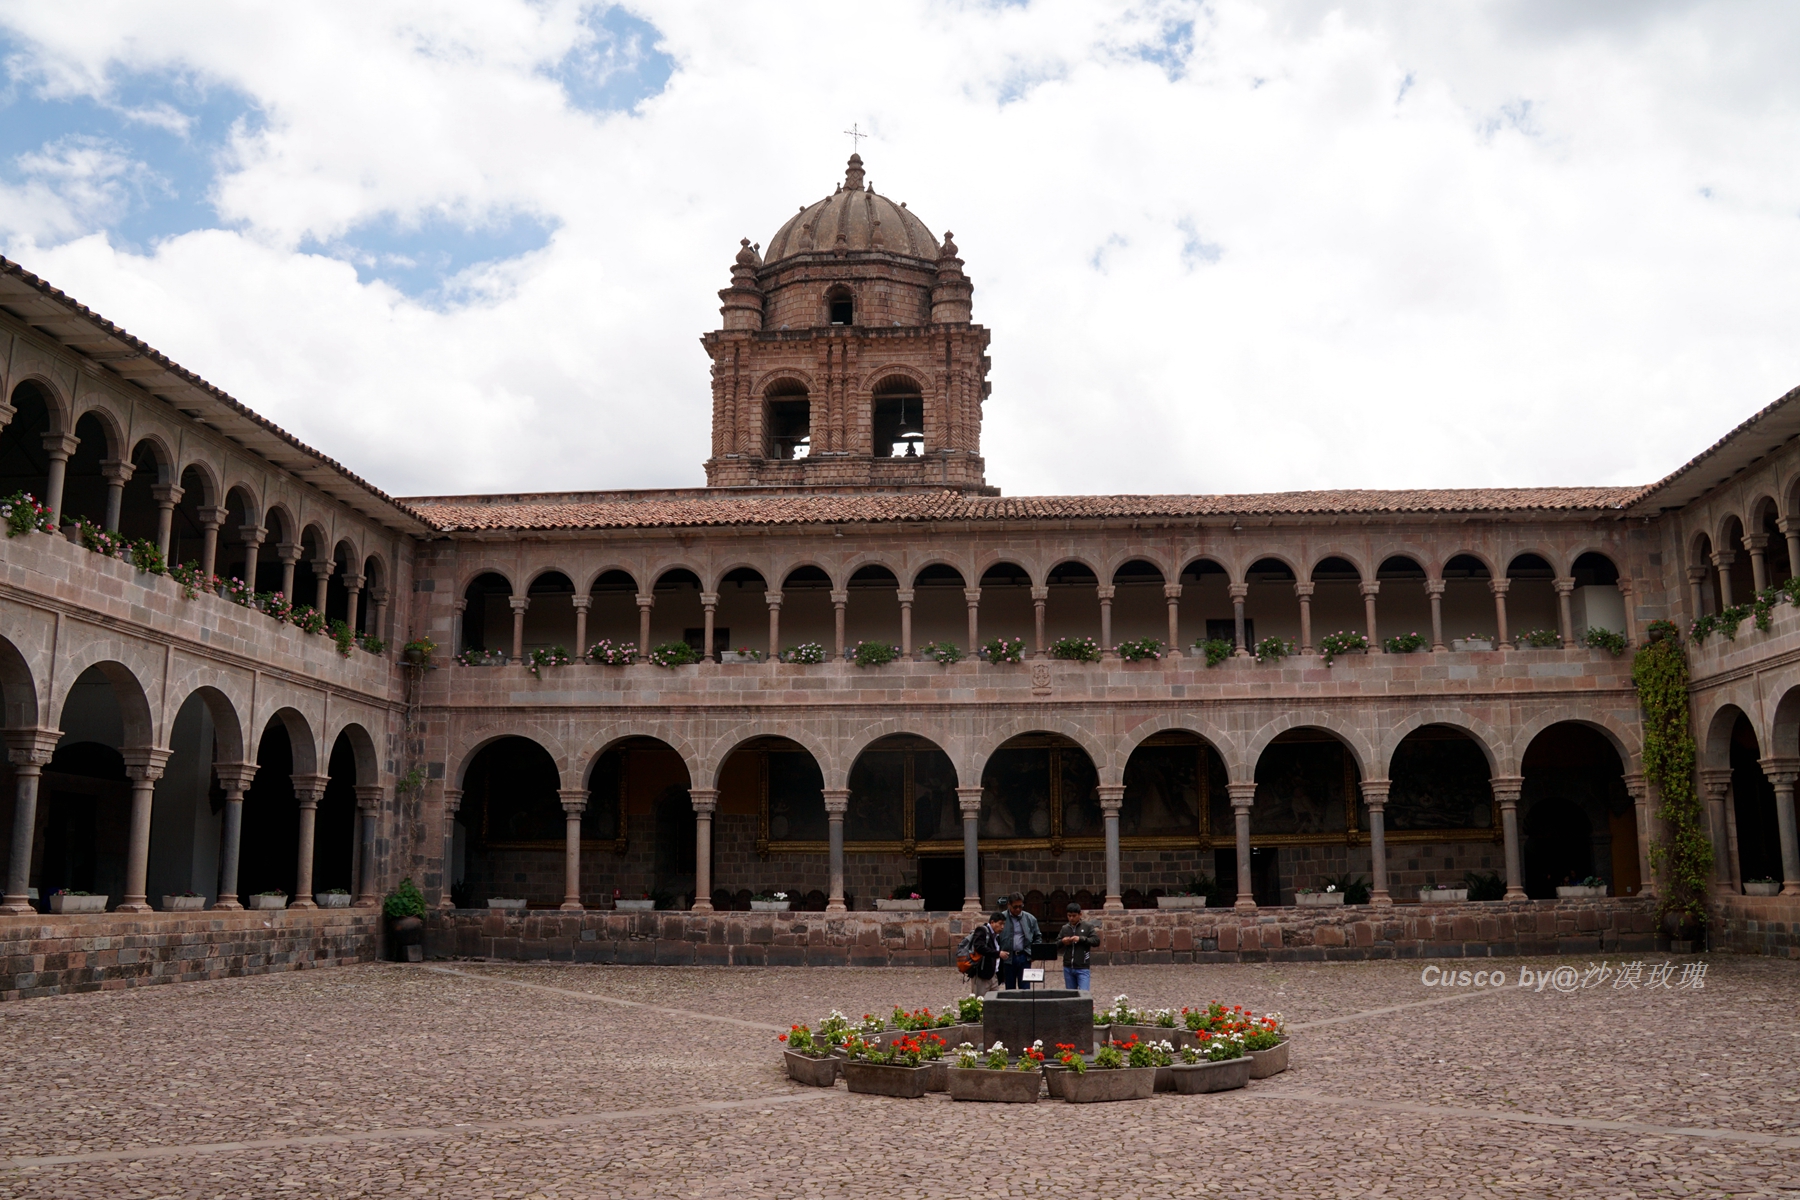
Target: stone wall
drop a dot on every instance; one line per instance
(1757, 925)
(1496, 928)
(52, 955)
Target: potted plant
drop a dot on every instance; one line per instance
(808, 1060)
(944, 654)
(1216, 1062)
(1592, 886)
(1762, 887)
(506, 902)
(1117, 1073)
(770, 902)
(1196, 893)
(1266, 1045)
(184, 902)
(335, 898)
(1140, 650)
(270, 899)
(896, 1069)
(809, 654)
(904, 899)
(77, 902)
(1075, 649)
(642, 902)
(874, 654)
(1003, 650)
(992, 1079)
(417, 653)
(743, 654)
(1488, 886)
(1432, 894)
(405, 911)
(1310, 898)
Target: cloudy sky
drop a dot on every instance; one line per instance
(1221, 247)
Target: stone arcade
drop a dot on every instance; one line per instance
(160, 744)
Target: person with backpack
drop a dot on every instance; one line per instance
(979, 955)
(1078, 939)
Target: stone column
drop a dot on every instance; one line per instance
(369, 797)
(167, 496)
(1434, 590)
(645, 603)
(773, 599)
(1722, 560)
(212, 519)
(1111, 798)
(1370, 589)
(376, 625)
(972, 597)
(353, 585)
(1757, 544)
(235, 779)
(308, 791)
(1504, 635)
(452, 805)
(58, 446)
(1039, 597)
(1790, 529)
(709, 608)
(1106, 639)
(30, 750)
(1375, 794)
(906, 640)
(706, 802)
(1506, 794)
(1630, 630)
(574, 803)
(117, 473)
(1239, 592)
(968, 801)
(1172, 596)
(519, 605)
(1696, 594)
(1304, 592)
(1715, 785)
(1637, 785)
(581, 604)
(1782, 772)
(1565, 588)
(836, 801)
(457, 609)
(1243, 795)
(289, 554)
(838, 601)
(322, 569)
(143, 766)
(252, 536)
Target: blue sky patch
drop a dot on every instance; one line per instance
(616, 66)
(419, 258)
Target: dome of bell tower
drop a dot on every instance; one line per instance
(853, 219)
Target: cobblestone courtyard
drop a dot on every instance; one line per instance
(480, 1080)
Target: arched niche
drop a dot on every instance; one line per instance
(24, 462)
(872, 606)
(902, 793)
(741, 620)
(550, 616)
(1575, 817)
(1271, 607)
(1036, 788)
(487, 614)
(1139, 608)
(1532, 609)
(940, 607)
(807, 613)
(778, 784)
(513, 823)
(1205, 606)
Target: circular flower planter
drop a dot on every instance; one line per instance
(875, 1079)
(995, 1087)
(1273, 1061)
(1100, 1086)
(813, 1072)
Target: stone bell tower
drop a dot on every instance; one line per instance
(847, 358)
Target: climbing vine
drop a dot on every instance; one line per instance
(1683, 856)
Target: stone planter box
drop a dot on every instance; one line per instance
(1580, 893)
(1165, 1079)
(1098, 1087)
(498, 902)
(737, 656)
(956, 1035)
(1273, 1061)
(333, 899)
(900, 905)
(873, 1079)
(1053, 1077)
(770, 905)
(1196, 1079)
(1762, 889)
(65, 903)
(995, 1087)
(1443, 895)
(1471, 644)
(813, 1072)
(265, 901)
(1181, 901)
(184, 903)
(1318, 899)
(634, 905)
(939, 1078)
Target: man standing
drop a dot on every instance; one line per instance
(1078, 940)
(1016, 939)
(984, 944)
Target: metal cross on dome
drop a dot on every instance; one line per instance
(856, 135)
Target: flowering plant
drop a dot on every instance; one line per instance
(1273, 649)
(1032, 1058)
(1164, 1018)
(1605, 639)
(341, 633)
(870, 1025)
(1217, 650)
(1213, 1016)
(942, 653)
(996, 1057)
(609, 653)
(555, 656)
(1067, 1056)
(966, 1057)
(1539, 639)
(146, 557)
(1109, 1058)
(672, 654)
(903, 891)
(192, 579)
(1265, 1032)
(1004, 650)
(1405, 643)
(968, 1009)
(1215, 1047)
(809, 653)
(778, 896)
(901, 1052)
(1162, 1054)
(239, 592)
(1120, 1013)
(23, 513)
(1334, 644)
(99, 540)
(747, 652)
(276, 605)
(371, 643)
(800, 1040)
(1140, 650)
(931, 1046)
(307, 620)
(834, 1028)
(917, 1019)
(874, 654)
(472, 657)
(1076, 649)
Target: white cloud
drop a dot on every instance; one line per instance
(1382, 247)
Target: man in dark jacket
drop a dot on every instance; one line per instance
(1017, 937)
(985, 945)
(1078, 940)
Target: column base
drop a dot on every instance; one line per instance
(133, 906)
(366, 902)
(299, 902)
(1791, 888)
(17, 906)
(1113, 904)
(1380, 900)
(701, 906)
(971, 906)
(836, 906)
(1515, 894)
(228, 906)
(571, 906)
(1244, 906)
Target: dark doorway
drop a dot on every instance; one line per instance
(675, 858)
(941, 882)
(1265, 875)
(1559, 847)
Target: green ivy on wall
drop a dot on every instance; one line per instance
(1683, 857)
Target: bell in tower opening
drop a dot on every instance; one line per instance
(847, 358)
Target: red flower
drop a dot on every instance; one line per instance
(782, 1038)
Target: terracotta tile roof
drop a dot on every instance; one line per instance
(698, 507)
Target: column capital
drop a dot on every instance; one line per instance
(581, 603)
(31, 747)
(972, 596)
(1105, 591)
(1499, 586)
(369, 797)
(840, 598)
(518, 603)
(310, 789)
(166, 493)
(1434, 587)
(1624, 586)
(355, 582)
(252, 535)
(1696, 574)
(289, 552)
(453, 798)
(646, 600)
(212, 516)
(905, 595)
(772, 599)
(836, 801)
(459, 606)
(1506, 789)
(59, 446)
(1040, 594)
(1637, 786)
(1756, 541)
(116, 470)
(968, 800)
(1375, 792)
(574, 800)
(1304, 588)
(235, 776)
(1787, 525)
(705, 800)
(1243, 795)
(1237, 591)
(1777, 765)
(1112, 796)
(145, 762)
(1370, 587)
(1715, 780)
(707, 599)
(1724, 558)
(323, 567)
(1171, 591)
(1564, 586)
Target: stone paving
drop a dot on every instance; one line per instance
(511, 1080)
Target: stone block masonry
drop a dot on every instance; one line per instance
(1757, 925)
